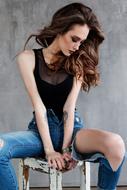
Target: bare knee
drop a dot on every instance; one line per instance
(115, 150)
(115, 146)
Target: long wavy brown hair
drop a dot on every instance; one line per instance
(83, 62)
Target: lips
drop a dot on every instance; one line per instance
(71, 51)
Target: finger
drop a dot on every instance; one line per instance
(54, 164)
(61, 159)
(70, 166)
(49, 163)
(66, 157)
(69, 157)
(59, 165)
(75, 163)
(62, 162)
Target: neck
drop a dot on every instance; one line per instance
(50, 53)
(53, 48)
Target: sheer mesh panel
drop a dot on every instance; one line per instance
(48, 75)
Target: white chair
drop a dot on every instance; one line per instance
(55, 177)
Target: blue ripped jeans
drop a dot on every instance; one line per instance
(29, 144)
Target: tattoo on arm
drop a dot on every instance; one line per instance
(65, 116)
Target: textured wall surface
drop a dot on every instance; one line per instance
(105, 107)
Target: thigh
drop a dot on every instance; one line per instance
(92, 140)
(21, 144)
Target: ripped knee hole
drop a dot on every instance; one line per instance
(1, 143)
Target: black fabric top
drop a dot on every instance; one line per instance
(53, 87)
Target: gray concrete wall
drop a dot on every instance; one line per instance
(105, 107)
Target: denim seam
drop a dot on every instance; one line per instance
(20, 146)
(102, 178)
(14, 183)
(11, 176)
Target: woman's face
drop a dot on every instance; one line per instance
(70, 41)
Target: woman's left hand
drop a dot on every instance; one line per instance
(70, 163)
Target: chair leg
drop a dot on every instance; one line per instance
(52, 179)
(87, 164)
(55, 179)
(58, 180)
(85, 176)
(23, 176)
(20, 176)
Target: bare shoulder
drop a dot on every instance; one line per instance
(26, 54)
(26, 58)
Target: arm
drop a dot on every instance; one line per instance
(68, 111)
(26, 63)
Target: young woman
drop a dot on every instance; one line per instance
(53, 75)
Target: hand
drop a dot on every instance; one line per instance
(55, 160)
(70, 163)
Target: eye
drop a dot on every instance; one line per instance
(82, 42)
(73, 39)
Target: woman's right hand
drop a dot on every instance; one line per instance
(55, 160)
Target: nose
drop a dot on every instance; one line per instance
(76, 46)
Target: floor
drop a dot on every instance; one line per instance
(119, 188)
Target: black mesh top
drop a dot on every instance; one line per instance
(53, 87)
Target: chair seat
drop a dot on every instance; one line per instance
(55, 176)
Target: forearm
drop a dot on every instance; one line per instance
(54, 158)
(68, 127)
(68, 110)
(42, 123)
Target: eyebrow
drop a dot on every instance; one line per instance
(78, 38)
